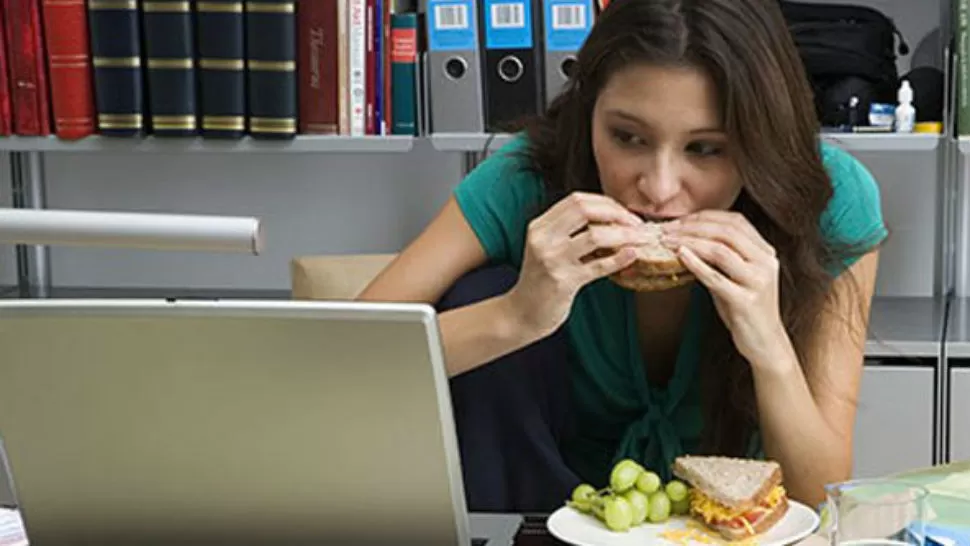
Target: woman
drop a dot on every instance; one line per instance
(694, 111)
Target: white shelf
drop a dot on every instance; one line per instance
(300, 144)
(964, 145)
(885, 142)
(861, 142)
(446, 142)
(906, 327)
(468, 142)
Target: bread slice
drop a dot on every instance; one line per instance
(766, 522)
(739, 484)
(656, 267)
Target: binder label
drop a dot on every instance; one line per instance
(508, 24)
(451, 25)
(568, 22)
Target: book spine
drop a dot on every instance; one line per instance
(116, 52)
(404, 56)
(378, 69)
(343, 67)
(271, 68)
(358, 67)
(6, 118)
(221, 67)
(170, 59)
(69, 66)
(28, 72)
(370, 65)
(385, 60)
(317, 66)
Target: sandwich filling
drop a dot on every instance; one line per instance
(716, 514)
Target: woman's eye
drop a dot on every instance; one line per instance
(626, 138)
(704, 149)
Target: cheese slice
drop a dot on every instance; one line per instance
(712, 511)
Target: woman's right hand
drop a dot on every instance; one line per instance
(559, 257)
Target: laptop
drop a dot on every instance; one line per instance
(232, 422)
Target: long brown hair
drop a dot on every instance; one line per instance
(769, 117)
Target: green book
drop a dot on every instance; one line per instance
(404, 48)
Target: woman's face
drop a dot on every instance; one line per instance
(659, 145)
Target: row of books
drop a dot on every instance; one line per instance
(215, 68)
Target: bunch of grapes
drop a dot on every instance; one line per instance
(635, 496)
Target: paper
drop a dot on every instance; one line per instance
(955, 485)
(12, 532)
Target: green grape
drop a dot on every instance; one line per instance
(648, 482)
(681, 507)
(583, 492)
(618, 514)
(676, 490)
(659, 507)
(624, 475)
(640, 504)
(597, 504)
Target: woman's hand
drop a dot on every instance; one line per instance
(578, 240)
(740, 269)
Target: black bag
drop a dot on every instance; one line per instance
(847, 50)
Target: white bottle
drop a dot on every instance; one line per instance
(905, 111)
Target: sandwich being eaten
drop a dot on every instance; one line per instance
(656, 267)
(736, 498)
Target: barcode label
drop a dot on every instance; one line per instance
(508, 15)
(451, 17)
(569, 17)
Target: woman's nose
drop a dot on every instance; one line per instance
(659, 181)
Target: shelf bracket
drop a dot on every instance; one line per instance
(29, 192)
(470, 160)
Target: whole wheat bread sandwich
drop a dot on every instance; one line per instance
(736, 498)
(656, 267)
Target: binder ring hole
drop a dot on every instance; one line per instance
(510, 69)
(568, 66)
(455, 67)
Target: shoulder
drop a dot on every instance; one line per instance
(852, 221)
(499, 197)
(504, 171)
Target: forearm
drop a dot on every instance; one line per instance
(795, 433)
(476, 334)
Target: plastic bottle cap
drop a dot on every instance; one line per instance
(905, 94)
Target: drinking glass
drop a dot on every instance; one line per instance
(876, 512)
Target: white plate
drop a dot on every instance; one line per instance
(573, 527)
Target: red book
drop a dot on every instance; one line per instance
(370, 68)
(6, 123)
(317, 66)
(28, 73)
(69, 60)
(386, 61)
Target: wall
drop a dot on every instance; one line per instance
(320, 203)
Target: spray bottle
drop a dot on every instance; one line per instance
(905, 111)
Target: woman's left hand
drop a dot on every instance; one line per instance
(740, 269)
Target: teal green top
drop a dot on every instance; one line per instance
(617, 412)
